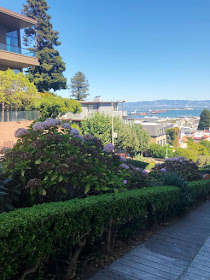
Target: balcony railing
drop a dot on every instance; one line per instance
(15, 49)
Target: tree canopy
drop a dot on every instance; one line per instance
(173, 134)
(51, 106)
(49, 75)
(204, 122)
(79, 87)
(16, 91)
(130, 137)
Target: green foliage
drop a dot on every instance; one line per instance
(66, 223)
(49, 75)
(69, 224)
(51, 106)
(16, 91)
(156, 151)
(79, 87)
(204, 122)
(173, 134)
(9, 194)
(132, 138)
(171, 178)
(206, 144)
(54, 164)
(202, 160)
(197, 148)
(137, 163)
(187, 153)
(184, 168)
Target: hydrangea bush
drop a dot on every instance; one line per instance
(181, 166)
(54, 162)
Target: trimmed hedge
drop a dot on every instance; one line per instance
(137, 163)
(29, 236)
(199, 189)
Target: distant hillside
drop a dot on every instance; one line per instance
(167, 104)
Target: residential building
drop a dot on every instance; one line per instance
(12, 55)
(156, 132)
(90, 108)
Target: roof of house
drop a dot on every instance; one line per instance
(153, 129)
(14, 20)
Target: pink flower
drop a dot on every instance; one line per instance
(109, 148)
(20, 132)
(124, 166)
(66, 126)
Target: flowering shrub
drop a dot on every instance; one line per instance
(183, 167)
(55, 162)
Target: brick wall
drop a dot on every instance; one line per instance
(7, 130)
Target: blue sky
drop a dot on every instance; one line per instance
(134, 49)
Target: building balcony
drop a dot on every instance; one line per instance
(16, 58)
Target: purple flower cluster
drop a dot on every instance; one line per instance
(163, 169)
(144, 171)
(123, 159)
(123, 165)
(4, 150)
(88, 137)
(20, 132)
(74, 131)
(125, 182)
(66, 126)
(46, 124)
(78, 136)
(178, 159)
(109, 148)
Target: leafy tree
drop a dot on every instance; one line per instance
(173, 134)
(187, 153)
(132, 138)
(206, 144)
(51, 106)
(204, 120)
(16, 91)
(197, 148)
(157, 151)
(79, 87)
(49, 75)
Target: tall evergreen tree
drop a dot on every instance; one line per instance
(49, 75)
(79, 86)
(204, 120)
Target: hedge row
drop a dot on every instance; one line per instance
(29, 236)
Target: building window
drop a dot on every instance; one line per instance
(163, 142)
(90, 108)
(115, 108)
(160, 142)
(13, 42)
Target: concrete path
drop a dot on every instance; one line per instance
(180, 251)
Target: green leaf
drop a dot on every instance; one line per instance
(116, 190)
(105, 188)
(42, 192)
(38, 161)
(60, 178)
(64, 190)
(87, 188)
(54, 176)
(22, 173)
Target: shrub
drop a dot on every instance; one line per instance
(29, 236)
(187, 153)
(137, 163)
(187, 169)
(169, 178)
(156, 151)
(55, 163)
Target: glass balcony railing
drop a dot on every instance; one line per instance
(15, 49)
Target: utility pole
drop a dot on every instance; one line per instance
(112, 124)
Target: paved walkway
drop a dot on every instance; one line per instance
(180, 251)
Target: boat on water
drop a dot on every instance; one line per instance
(157, 111)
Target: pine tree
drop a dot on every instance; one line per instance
(204, 120)
(79, 86)
(49, 75)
